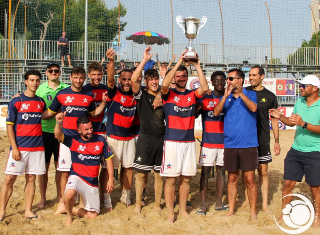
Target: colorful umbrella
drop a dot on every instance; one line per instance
(148, 38)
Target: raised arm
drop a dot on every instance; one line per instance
(110, 67)
(171, 62)
(203, 81)
(58, 127)
(101, 107)
(168, 78)
(218, 109)
(158, 62)
(135, 81)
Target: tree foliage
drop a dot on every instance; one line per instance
(307, 54)
(102, 21)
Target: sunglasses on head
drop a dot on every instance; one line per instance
(53, 70)
(303, 85)
(231, 78)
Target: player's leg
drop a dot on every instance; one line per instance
(264, 184)
(233, 177)
(140, 182)
(127, 184)
(184, 189)
(245, 192)
(69, 60)
(220, 187)
(6, 192)
(69, 202)
(205, 174)
(62, 61)
(158, 187)
(30, 188)
(169, 191)
(252, 192)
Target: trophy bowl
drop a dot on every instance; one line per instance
(191, 27)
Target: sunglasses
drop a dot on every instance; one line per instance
(231, 78)
(303, 86)
(53, 70)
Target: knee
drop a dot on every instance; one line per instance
(233, 179)
(9, 180)
(250, 180)
(69, 194)
(92, 215)
(186, 180)
(171, 182)
(31, 178)
(288, 186)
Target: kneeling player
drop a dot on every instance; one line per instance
(86, 153)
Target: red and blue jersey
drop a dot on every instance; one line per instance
(76, 104)
(98, 126)
(179, 109)
(123, 120)
(86, 157)
(212, 126)
(25, 114)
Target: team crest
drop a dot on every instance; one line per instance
(176, 99)
(169, 166)
(81, 148)
(204, 155)
(63, 161)
(24, 107)
(12, 164)
(211, 104)
(49, 97)
(85, 100)
(69, 99)
(123, 99)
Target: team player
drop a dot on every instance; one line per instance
(240, 138)
(212, 146)
(122, 125)
(98, 89)
(303, 159)
(266, 101)
(150, 142)
(48, 91)
(26, 150)
(179, 151)
(87, 151)
(76, 101)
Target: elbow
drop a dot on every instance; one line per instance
(254, 108)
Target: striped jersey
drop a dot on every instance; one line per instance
(98, 126)
(76, 104)
(123, 120)
(179, 109)
(212, 126)
(25, 114)
(86, 157)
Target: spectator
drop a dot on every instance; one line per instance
(63, 44)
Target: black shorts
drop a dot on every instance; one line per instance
(245, 159)
(64, 51)
(297, 164)
(51, 146)
(264, 154)
(149, 153)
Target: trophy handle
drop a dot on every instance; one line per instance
(203, 22)
(179, 22)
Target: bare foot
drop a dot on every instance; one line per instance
(109, 209)
(143, 203)
(170, 218)
(2, 216)
(157, 208)
(68, 221)
(41, 204)
(137, 209)
(184, 214)
(245, 204)
(61, 209)
(253, 218)
(280, 219)
(32, 216)
(266, 209)
(230, 213)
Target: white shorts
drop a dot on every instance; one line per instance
(64, 159)
(89, 194)
(210, 156)
(124, 152)
(178, 159)
(32, 163)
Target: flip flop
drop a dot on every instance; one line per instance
(223, 208)
(201, 212)
(35, 217)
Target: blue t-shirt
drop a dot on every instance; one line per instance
(240, 124)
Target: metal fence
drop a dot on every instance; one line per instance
(209, 53)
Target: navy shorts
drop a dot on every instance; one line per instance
(51, 146)
(298, 164)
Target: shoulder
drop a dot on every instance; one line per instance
(15, 100)
(40, 98)
(64, 85)
(248, 88)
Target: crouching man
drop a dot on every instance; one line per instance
(87, 152)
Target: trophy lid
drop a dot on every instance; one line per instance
(190, 18)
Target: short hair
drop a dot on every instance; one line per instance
(94, 66)
(32, 72)
(78, 70)
(261, 70)
(239, 72)
(82, 120)
(151, 73)
(125, 70)
(182, 68)
(217, 73)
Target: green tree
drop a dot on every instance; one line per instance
(308, 52)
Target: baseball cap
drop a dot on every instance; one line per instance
(311, 80)
(53, 63)
(121, 60)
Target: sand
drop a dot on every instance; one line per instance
(122, 220)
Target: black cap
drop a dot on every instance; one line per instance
(121, 60)
(53, 63)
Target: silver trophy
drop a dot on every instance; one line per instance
(191, 28)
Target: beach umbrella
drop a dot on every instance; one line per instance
(148, 38)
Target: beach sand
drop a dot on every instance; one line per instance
(122, 220)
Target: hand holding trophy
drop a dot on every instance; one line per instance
(191, 28)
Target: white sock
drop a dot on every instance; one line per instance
(107, 200)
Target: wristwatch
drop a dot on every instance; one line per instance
(305, 125)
